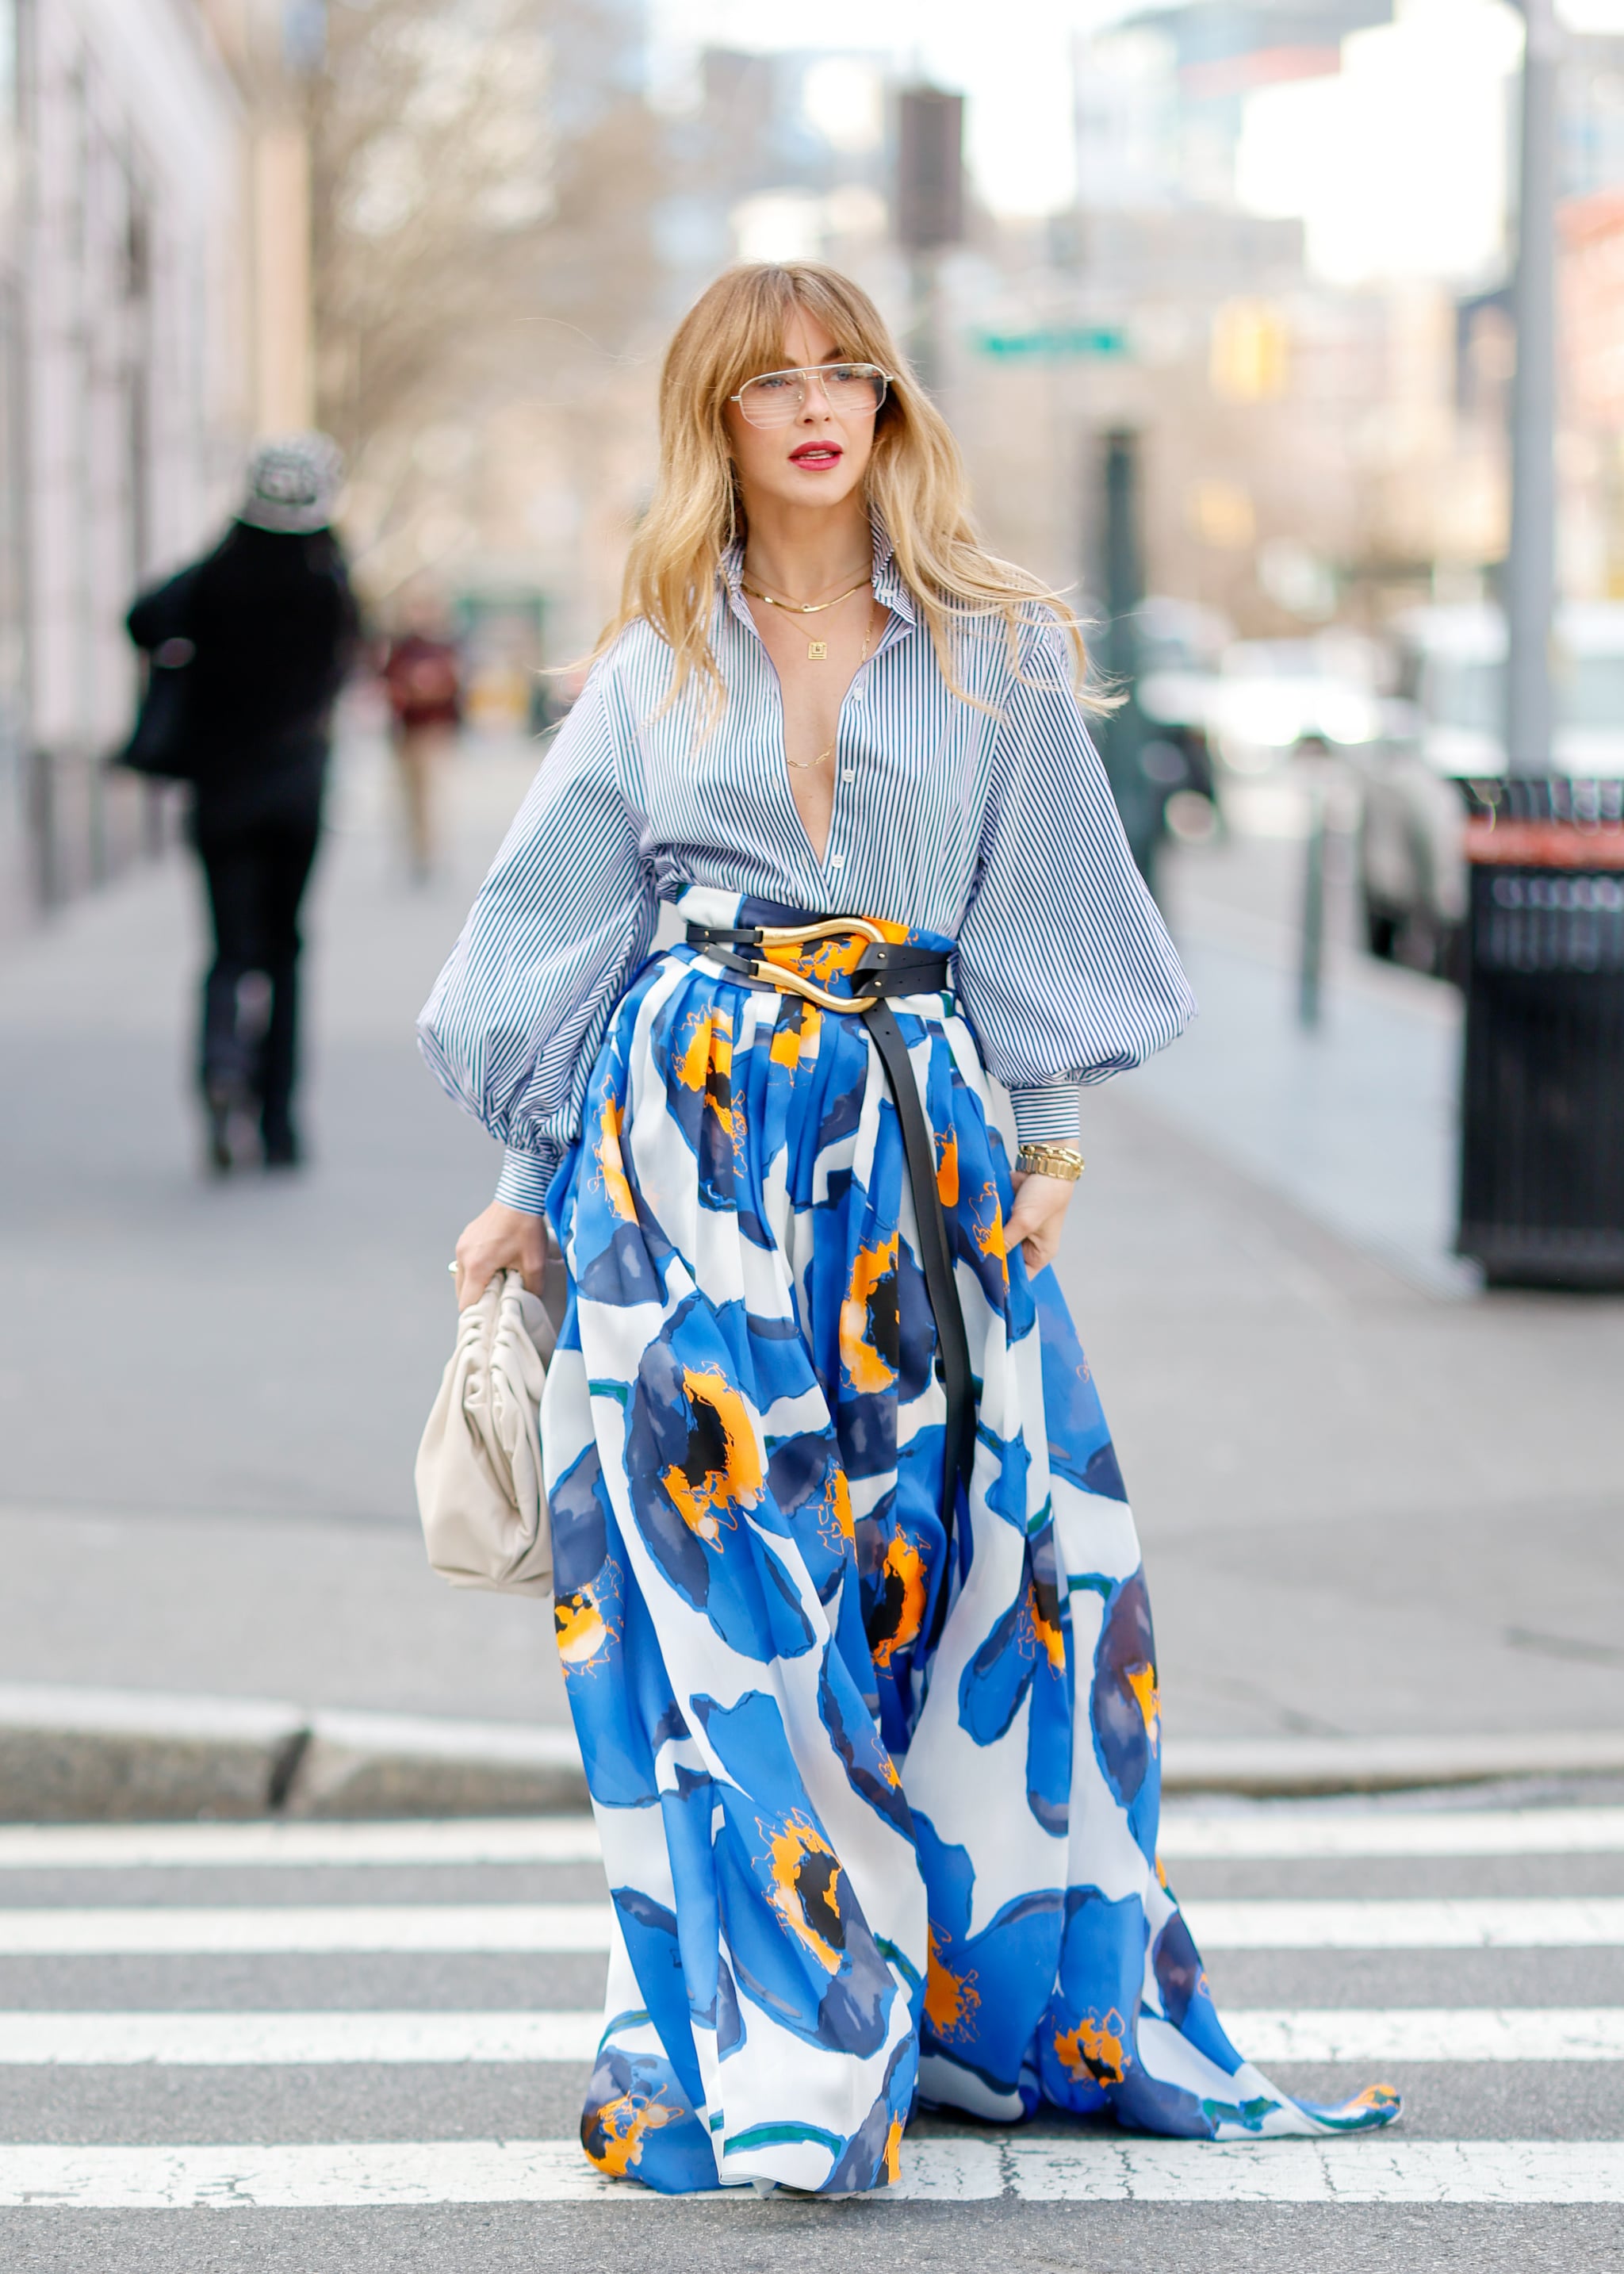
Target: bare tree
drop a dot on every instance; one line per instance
(485, 175)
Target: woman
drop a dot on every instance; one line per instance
(272, 623)
(849, 1596)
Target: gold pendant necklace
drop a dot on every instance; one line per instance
(810, 765)
(817, 651)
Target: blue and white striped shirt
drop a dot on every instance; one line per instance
(996, 831)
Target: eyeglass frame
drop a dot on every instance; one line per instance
(805, 370)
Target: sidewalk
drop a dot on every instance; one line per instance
(211, 1394)
(1367, 1511)
(1354, 1120)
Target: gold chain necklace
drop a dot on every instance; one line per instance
(810, 765)
(817, 651)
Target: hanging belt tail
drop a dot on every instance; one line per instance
(887, 969)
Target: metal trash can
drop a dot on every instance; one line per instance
(1542, 1118)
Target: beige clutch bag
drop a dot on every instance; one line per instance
(480, 1491)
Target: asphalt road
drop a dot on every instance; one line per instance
(135, 2146)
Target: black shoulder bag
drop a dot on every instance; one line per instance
(160, 745)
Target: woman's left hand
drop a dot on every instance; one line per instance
(1040, 1203)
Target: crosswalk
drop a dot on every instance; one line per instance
(142, 1966)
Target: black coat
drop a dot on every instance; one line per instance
(274, 624)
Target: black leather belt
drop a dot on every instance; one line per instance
(885, 969)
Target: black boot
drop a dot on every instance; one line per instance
(225, 1068)
(218, 1109)
(276, 1065)
(281, 1144)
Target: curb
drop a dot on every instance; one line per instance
(363, 1763)
(79, 1756)
(1284, 1767)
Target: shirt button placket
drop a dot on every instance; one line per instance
(835, 862)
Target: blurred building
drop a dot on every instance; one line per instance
(1316, 444)
(1593, 308)
(779, 156)
(1591, 465)
(1310, 449)
(152, 297)
(1161, 94)
(1590, 152)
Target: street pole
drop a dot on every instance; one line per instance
(1122, 733)
(929, 212)
(1310, 960)
(924, 342)
(1531, 567)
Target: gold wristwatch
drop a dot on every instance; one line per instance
(1062, 1161)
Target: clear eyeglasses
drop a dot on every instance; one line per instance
(851, 390)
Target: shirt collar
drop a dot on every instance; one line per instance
(889, 588)
(733, 576)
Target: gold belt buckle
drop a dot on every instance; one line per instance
(791, 983)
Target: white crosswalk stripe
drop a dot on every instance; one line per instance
(548, 1928)
(1382, 1922)
(192, 1847)
(1261, 1835)
(239, 2040)
(397, 2171)
(1279, 1834)
(1445, 1923)
(1429, 2033)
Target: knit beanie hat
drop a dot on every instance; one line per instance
(293, 483)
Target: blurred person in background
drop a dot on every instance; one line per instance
(422, 673)
(271, 623)
(842, 1557)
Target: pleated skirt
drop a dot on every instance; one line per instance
(851, 1875)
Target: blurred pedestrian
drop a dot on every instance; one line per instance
(847, 1594)
(423, 679)
(270, 624)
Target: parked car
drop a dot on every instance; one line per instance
(1178, 645)
(1452, 667)
(1445, 729)
(1272, 696)
(1410, 862)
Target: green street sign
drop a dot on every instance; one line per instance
(1054, 342)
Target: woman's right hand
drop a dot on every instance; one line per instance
(499, 1238)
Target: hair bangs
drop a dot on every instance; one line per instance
(749, 339)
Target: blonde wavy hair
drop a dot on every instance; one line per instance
(915, 482)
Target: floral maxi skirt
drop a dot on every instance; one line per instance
(852, 1874)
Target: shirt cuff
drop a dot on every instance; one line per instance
(525, 1180)
(1051, 1115)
